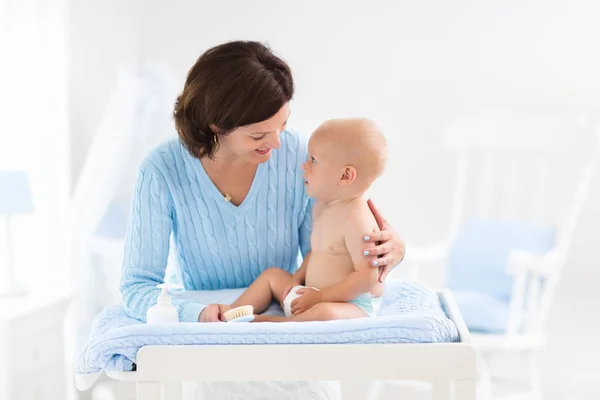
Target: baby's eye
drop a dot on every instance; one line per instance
(312, 159)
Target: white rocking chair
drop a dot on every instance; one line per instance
(501, 149)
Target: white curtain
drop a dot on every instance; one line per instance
(34, 133)
(136, 118)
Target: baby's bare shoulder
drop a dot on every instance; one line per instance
(360, 215)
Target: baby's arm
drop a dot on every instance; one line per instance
(364, 277)
(300, 276)
(297, 279)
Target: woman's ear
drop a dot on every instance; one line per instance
(348, 176)
(214, 128)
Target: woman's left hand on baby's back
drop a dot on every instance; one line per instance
(388, 246)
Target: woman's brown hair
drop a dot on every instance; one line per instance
(230, 85)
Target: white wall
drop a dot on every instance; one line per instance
(103, 34)
(411, 66)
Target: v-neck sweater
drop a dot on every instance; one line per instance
(215, 244)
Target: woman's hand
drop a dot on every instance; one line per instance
(389, 247)
(308, 298)
(212, 313)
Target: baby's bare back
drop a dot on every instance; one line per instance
(330, 262)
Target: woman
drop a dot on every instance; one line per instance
(230, 189)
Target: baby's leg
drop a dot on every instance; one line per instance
(319, 312)
(261, 292)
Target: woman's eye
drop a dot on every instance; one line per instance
(258, 137)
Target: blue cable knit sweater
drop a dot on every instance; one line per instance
(218, 245)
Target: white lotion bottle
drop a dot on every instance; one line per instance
(164, 312)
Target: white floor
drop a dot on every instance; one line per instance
(585, 390)
(570, 367)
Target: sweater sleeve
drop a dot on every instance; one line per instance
(306, 227)
(147, 248)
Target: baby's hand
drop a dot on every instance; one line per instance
(213, 313)
(287, 289)
(308, 298)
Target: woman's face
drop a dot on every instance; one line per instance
(254, 143)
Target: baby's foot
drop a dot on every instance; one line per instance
(224, 308)
(259, 318)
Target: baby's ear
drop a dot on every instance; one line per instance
(348, 176)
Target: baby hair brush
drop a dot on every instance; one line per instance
(239, 314)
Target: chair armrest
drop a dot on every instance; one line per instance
(528, 271)
(544, 265)
(427, 255)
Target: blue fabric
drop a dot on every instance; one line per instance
(367, 303)
(481, 312)
(15, 196)
(477, 267)
(410, 313)
(217, 244)
(114, 222)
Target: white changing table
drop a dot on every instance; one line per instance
(451, 367)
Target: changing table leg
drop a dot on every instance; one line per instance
(442, 390)
(148, 391)
(465, 389)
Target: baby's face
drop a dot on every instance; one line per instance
(345, 156)
(322, 171)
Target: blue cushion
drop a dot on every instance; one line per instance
(476, 270)
(482, 313)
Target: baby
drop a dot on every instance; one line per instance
(344, 158)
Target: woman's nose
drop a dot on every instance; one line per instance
(274, 141)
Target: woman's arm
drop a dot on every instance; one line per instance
(306, 227)
(147, 248)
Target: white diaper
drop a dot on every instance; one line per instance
(287, 302)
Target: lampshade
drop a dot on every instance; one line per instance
(15, 196)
